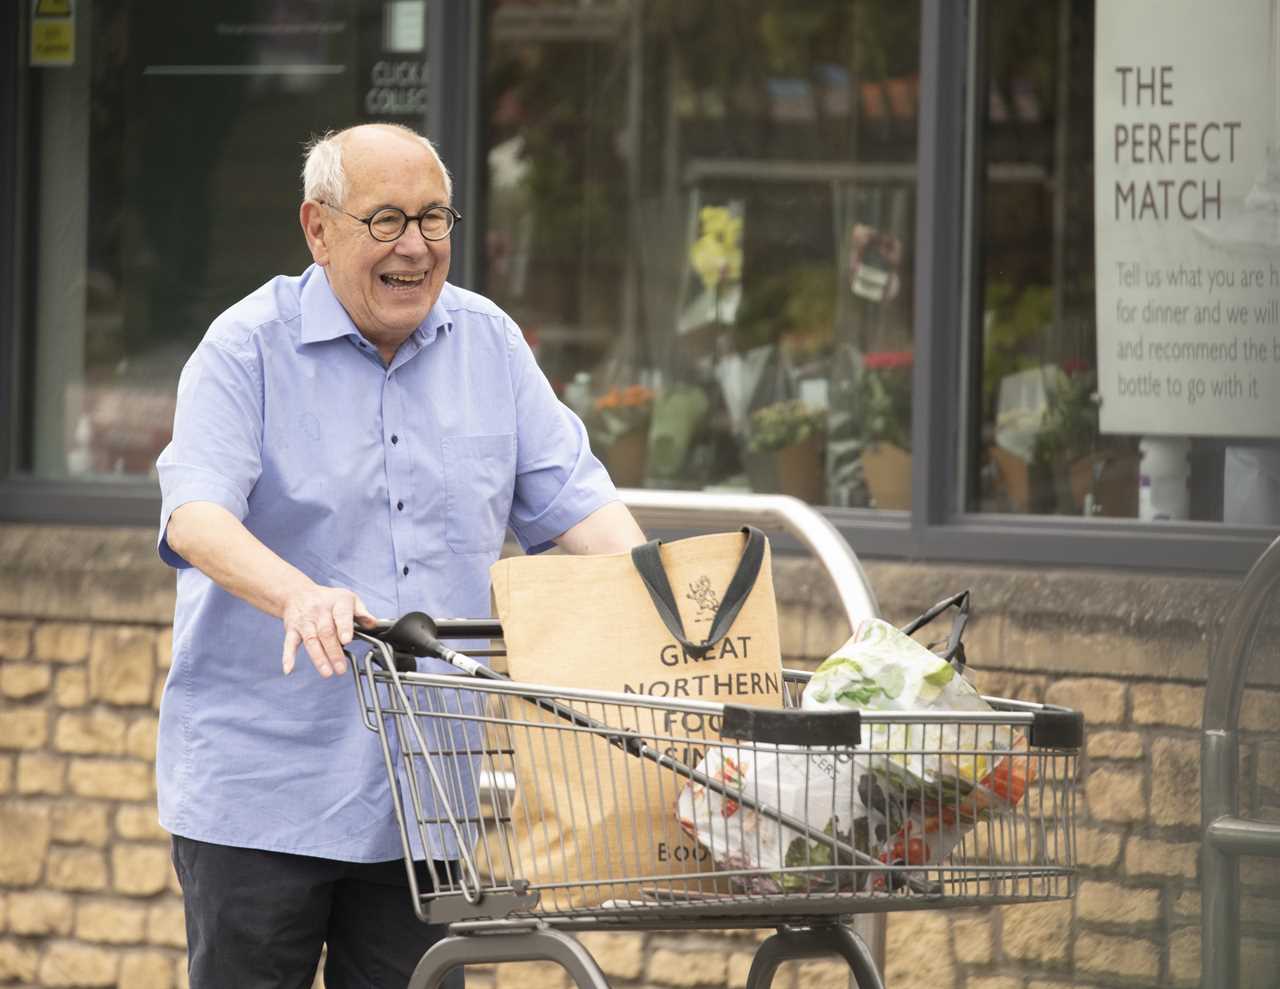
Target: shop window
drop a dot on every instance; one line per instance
(1119, 149)
(702, 217)
(164, 181)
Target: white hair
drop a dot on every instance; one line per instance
(325, 180)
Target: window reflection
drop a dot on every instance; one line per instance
(703, 224)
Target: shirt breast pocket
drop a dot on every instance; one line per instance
(479, 481)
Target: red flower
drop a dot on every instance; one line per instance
(887, 359)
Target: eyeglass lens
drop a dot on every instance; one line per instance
(389, 223)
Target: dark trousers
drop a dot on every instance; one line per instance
(257, 920)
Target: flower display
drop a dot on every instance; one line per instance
(621, 410)
(784, 424)
(882, 398)
(716, 255)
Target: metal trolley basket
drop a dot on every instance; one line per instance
(451, 745)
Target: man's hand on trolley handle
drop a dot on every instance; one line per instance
(322, 619)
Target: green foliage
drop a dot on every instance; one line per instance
(1015, 325)
(784, 424)
(1069, 428)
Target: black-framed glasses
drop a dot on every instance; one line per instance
(388, 223)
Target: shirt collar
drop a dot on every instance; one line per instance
(324, 318)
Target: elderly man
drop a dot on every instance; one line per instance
(350, 442)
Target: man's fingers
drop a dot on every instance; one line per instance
(330, 641)
(343, 620)
(291, 642)
(315, 650)
(362, 614)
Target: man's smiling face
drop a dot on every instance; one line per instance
(386, 288)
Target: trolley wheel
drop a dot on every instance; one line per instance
(792, 943)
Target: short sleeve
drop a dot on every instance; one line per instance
(559, 482)
(216, 451)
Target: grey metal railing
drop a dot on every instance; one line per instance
(718, 511)
(1227, 835)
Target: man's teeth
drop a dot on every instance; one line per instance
(403, 279)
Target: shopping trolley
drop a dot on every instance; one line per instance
(450, 743)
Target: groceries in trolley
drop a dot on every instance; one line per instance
(931, 763)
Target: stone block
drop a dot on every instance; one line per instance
(1184, 957)
(24, 728)
(22, 680)
(739, 968)
(167, 924)
(111, 921)
(1259, 963)
(823, 974)
(140, 870)
(1114, 745)
(4, 912)
(112, 779)
(1117, 957)
(1038, 932)
(139, 822)
(971, 934)
(6, 774)
(1097, 849)
(19, 962)
(1261, 911)
(164, 648)
(1115, 795)
(39, 913)
(1167, 704)
(63, 642)
(80, 822)
(122, 664)
(70, 964)
(1266, 763)
(918, 950)
(182, 981)
(531, 975)
(15, 638)
(41, 773)
(140, 742)
(1151, 857)
(1187, 905)
(620, 956)
(1260, 711)
(1102, 701)
(77, 869)
(687, 968)
(1111, 903)
(992, 982)
(146, 970)
(71, 687)
(97, 732)
(1175, 782)
(26, 843)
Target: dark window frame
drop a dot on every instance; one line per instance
(938, 529)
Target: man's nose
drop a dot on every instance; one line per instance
(411, 243)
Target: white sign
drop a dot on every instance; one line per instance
(1187, 216)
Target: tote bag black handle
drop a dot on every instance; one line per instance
(648, 563)
(954, 653)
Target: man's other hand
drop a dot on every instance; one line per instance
(322, 619)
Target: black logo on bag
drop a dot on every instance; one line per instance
(703, 594)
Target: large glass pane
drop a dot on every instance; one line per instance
(1129, 262)
(702, 217)
(166, 162)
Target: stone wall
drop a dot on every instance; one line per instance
(88, 898)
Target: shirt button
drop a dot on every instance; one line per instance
(400, 506)
(405, 571)
(395, 438)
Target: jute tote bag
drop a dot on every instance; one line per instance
(695, 618)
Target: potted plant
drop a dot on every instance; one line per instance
(620, 431)
(786, 449)
(882, 414)
(1087, 477)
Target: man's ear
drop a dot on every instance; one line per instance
(311, 216)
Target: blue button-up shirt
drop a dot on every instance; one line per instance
(397, 482)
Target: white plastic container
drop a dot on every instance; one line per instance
(1164, 476)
